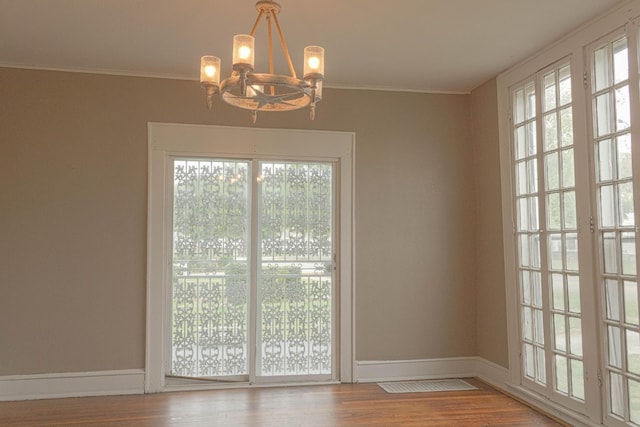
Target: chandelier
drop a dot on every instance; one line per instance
(264, 91)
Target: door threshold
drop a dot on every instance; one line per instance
(193, 385)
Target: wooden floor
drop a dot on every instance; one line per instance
(333, 405)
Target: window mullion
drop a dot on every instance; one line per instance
(633, 328)
(634, 91)
(254, 242)
(586, 215)
(543, 236)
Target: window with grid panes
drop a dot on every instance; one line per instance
(546, 234)
(573, 258)
(612, 65)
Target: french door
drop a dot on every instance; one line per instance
(546, 231)
(252, 280)
(615, 112)
(250, 265)
(576, 199)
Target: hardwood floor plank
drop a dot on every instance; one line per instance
(333, 405)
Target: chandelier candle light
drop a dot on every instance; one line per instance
(261, 91)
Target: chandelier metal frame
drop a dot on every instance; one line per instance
(265, 91)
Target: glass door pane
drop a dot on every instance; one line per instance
(528, 226)
(209, 269)
(547, 236)
(562, 234)
(295, 269)
(616, 224)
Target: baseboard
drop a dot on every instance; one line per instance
(74, 384)
(549, 407)
(422, 369)
(491, 373)
(498, 377)
(131, 381)
(464, 367)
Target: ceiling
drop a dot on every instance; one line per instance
(416, 45)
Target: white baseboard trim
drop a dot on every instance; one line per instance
(74, 384)
(422, 369)
(463, 367)
(131, 381)
(491, 373)
(498, 377)
(549, 407)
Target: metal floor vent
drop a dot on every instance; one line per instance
(426, 386)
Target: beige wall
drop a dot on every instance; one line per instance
(492, 316)
(73, 182)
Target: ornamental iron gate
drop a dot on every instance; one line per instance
(212, 268)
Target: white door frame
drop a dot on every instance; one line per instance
(168, 140)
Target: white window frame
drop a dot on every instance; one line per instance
(548, 389)
(573, 46)
(630, 30)
(167, 141)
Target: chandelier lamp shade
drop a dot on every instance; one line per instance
(256, 92)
